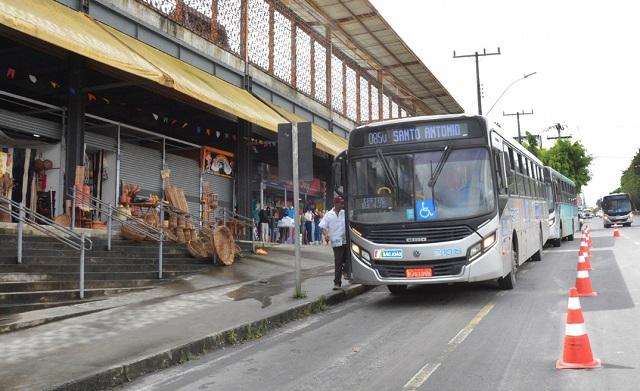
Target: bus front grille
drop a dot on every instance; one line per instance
(452, 267)
(432, 235)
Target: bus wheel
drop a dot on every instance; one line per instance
(509, 281)
(557, 242)
(397, 289)
(537, 256)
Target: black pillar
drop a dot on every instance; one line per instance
(244, 168)
(75, 124)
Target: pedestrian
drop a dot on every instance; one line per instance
(332, 225)
(317, 216)
(263, 219)
(310, 226)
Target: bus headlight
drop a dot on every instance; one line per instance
(552, 221)
(481, 247)
(363, 255)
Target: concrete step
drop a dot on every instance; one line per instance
(34, 286)
(49, 273)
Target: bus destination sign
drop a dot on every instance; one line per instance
(416, 133)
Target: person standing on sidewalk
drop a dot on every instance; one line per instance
(332, 225)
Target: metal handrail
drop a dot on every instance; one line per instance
(152, 232)
(53, 229)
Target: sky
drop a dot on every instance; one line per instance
(584, 55)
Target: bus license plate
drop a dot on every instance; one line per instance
(417, 273)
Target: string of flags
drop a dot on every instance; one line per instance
(11, 74)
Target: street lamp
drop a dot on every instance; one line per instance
(505, 90)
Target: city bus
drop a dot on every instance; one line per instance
(440, 199)
(562, 200)
(618, 209)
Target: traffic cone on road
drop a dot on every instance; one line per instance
(616, 233)
(584, 251)
(583, 282)
(577, 349)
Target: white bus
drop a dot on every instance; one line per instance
(562, 200)
(618, 209)
(440, 199)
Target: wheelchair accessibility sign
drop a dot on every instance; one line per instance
(425, 210)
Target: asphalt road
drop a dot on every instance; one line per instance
(459, 337)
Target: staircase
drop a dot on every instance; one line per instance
(49, 273)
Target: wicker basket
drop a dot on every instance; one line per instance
(173, 221)
(169, 235)
(180, 235)
(152, 219)
(196, 249)
(209, 246)
(131, 234)
(225, 244)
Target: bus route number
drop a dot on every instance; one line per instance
(376, 138)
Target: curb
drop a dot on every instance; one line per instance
(121, 374)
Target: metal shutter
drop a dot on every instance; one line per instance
(141, 167)
(100, 142)
(223, 187)
(185, 174)
(31, 125)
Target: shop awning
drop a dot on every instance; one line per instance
(325, 140)
(77, 32)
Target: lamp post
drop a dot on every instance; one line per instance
(506, 89)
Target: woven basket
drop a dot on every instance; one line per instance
(225, 244)
(173, 221)
(130, 234)
(169, 236)
(152, 219)
(180, 235)
(209, 247)
(187, 235)
(196, 249)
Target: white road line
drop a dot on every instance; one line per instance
(426, 371)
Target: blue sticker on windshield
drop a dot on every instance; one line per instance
(425, 209)
(410, 214)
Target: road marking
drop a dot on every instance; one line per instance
(426, 371)
(590, 250)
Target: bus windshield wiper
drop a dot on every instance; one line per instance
(443, 159)
(387, 170)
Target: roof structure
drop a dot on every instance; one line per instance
(357, 28)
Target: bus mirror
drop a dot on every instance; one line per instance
(337, 175)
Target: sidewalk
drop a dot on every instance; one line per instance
(96, 345)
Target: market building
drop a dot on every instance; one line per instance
(131, 89)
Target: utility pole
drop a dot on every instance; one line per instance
(559, 128)
(476, 55)
(518, 114)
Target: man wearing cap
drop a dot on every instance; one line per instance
(332, 225)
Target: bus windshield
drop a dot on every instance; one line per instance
(617, 204)
(395, 188)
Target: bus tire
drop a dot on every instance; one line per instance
(557, 242)
(397, 289)
(509, 281)
(537, 256)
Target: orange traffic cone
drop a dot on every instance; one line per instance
(616, 233)
(584, 251)
(583, 282)
(577, 349)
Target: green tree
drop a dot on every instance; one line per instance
(569, 159)
(630, 180)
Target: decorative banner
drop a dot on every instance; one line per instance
(218, 162)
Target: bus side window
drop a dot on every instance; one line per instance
(500, 171)
(511, 174)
